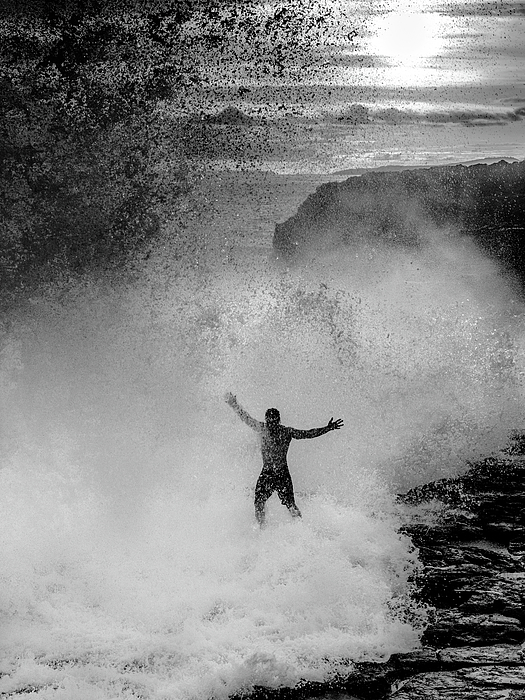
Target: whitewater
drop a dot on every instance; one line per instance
(131, 564)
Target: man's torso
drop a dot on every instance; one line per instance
(274, 447)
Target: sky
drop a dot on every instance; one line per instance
(390, 70)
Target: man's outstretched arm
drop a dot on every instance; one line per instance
(316, 432)
(231, 400)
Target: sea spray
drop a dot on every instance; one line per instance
(131, 566)
(437, 332)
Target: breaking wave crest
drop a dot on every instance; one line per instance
(131, 566)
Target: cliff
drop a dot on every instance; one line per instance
(485, 202)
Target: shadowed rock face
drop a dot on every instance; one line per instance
(474, 578)
(483, 202)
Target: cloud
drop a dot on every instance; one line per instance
(475, 116)
(229, 116)
(483, 8)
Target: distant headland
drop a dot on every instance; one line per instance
(482, 201)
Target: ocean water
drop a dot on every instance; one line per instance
(131, 567)
(328, 147)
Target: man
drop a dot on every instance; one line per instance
(275, 441)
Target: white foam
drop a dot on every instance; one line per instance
(130, 562)
(194, 602)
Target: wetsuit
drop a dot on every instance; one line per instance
(275, 475)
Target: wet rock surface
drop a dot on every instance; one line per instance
(474, 580)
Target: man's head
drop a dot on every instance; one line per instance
(272, 416)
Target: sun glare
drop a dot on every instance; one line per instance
(405, 38)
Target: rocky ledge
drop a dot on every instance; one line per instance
(474, 579)
(470, 533)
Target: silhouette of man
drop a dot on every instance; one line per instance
(275, 441)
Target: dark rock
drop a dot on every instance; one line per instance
(496, 676)
(508, 509)
(501, 532)
(427, 537)
(516, 545)
(485, 683)
(455, 628)
(449, 491)
(498, 594)
(443, 589)
(484, 202)
(486, 502)
(470, 559)
(474, 576)
(507, 654)
(425, 659)
(370, 680)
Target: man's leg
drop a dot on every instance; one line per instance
(263, 490)
(286, 494)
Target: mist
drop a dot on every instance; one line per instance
(131, 560)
